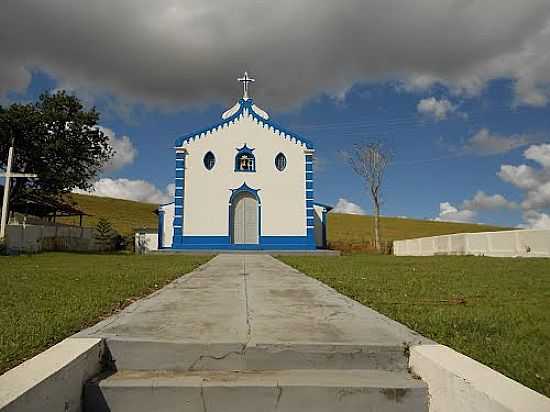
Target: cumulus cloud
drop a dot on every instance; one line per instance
(449, 213)
(536, 220)
(481, 200)
(486, 143)
(535, 182)
(436, 109)
(522, 176)
(138, 190)
(540, 154)
(123, 148)
(538, 198)
(345, 206)
(178, 52)
(468, 213)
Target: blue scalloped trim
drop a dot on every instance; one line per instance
(245, 149)
(244, 104)
(245, 188)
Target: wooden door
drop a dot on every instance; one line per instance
(245, 220)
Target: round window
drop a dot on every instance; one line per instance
(280, 162)
(209, 160)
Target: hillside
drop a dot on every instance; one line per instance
(357, 229)
(125, 215)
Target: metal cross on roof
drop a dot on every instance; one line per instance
(245, 80)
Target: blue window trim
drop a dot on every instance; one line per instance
(245, 188)
(285, 162)
(245, 150)
(213, 158)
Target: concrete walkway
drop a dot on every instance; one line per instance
(253, 303)
(248, 333)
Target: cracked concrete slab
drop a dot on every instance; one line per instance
(252, 312)
(267, 390)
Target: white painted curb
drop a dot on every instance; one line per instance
(458, 383)
(52, 380)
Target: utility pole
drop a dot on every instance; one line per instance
(8, 175)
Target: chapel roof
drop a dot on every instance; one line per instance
(245, 107)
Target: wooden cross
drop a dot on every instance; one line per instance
(245, 80)
(8, 174)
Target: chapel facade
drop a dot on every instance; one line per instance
(243, 183)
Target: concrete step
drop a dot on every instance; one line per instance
(257, 391)
(138, 354)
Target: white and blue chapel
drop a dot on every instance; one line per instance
(243, 183)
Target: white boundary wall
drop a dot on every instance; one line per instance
(26, 238)
(54, 379)
(319, 216)
(511, 243)
(146, 242)
(457, 383)
(167, 224)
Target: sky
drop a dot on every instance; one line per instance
(459, 90)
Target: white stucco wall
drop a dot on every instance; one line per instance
(207, 192)
(510, 243)
(168, 224)
(28, 238)
(318, 231)
(146, 242)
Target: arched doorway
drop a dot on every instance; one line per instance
(244, 219)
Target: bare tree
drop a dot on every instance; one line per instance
(370, 160)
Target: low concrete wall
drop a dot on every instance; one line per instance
(146, 242)
(510, 243)
(25, 238)
(52, 380)
(458, 383)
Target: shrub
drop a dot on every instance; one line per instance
(104, 234)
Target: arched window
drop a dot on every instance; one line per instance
(245, 160)
(209, 160)
(280, 162)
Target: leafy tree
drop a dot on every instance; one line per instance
(104, 234)
(55, 138)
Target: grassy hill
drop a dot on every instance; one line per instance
(355, 231)
(125, 215)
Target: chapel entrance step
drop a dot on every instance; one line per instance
(257, 391)
(181, 356)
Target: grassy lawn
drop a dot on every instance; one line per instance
(45, 298)
(496, 310)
